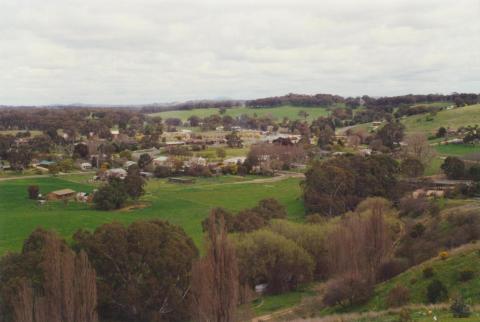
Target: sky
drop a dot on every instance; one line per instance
(145, 51)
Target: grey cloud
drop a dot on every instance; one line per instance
(124, 51)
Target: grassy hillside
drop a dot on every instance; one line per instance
(447, 271)
(454, 118)
(184, 205)
(277, 112)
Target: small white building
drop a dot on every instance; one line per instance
(116, 173)
(85, 166)
(196, 161)
(234, 160)
(128, 164)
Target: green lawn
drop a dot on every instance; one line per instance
(13, 132)
(184, 205)
(454, 118)
(457, 149)
(276, 112)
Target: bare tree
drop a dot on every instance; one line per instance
(417, 147)
(215, 277)
(359, 245)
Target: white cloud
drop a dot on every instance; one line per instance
(139, 51)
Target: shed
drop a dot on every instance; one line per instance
(61, 194)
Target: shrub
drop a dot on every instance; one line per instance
(436, 292)
(347, 291)
(33, 192)
(417, 230)
(428, 272)
(405, 316)
(391, 268)
(459, 309)
(466, 275)
(413, 207)
(443, 255)
(162, 172)
(398, 296)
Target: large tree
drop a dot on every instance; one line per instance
(453, 167)
(266, 257)
(391, 134)
(418, 147)
(47, 281)
(337, 185)
(134, 183)
(215, 277)
(143, 270)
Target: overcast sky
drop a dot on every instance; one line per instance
(141, 51)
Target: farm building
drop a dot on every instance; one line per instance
(116, 173)
(234, 160)
(85, 166)
(61, 194)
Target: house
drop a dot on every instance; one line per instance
(85, 166)
(62, 194)
(175, 143)
(234, 160)
(46, 163)
(196, 161)
(116, 173)
(162, 161)
(146, 174)
(128, 164)
(151, 152)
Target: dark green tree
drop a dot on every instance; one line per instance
(453, 167)
(110, 196)
(143, 270)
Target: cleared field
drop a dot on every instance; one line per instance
(454, 118)
(276, 112)
(184, 205)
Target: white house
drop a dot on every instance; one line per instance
(196, 162)
(117, 173)
(234, 160)
(85, 166)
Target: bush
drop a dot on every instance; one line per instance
(398, 296)
(417, 230)
(459, 309)
(428, 272)
(405, 316)
(110, 196)
(347, 291)
(33, 192)
(443, 255)
(413, 207)
(162, 172)
(436, 292)
(391, 268)
(466, 275)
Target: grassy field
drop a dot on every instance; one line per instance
(457, 149)
(447, 271)
(184, 205)
(276, 112)
(13, 132)
(454, 118)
